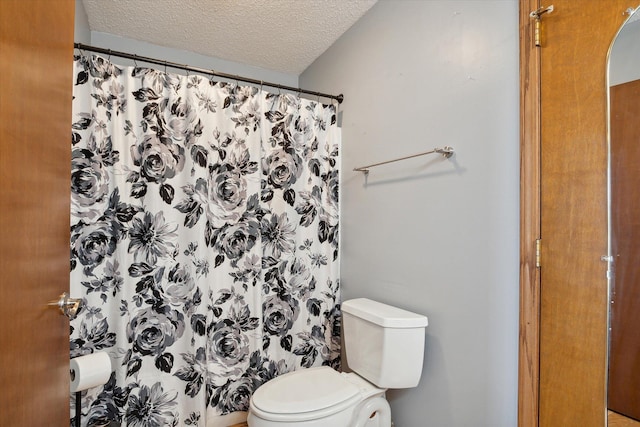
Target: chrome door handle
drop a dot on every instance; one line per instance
(68, 306)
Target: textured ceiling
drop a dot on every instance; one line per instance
(280, 35)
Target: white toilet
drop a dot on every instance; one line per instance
(384, 346)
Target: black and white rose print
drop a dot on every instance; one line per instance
(204, 240)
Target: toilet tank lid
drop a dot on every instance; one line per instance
(383, 314)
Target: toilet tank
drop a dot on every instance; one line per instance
(383, 344)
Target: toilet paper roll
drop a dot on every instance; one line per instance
(89, 371)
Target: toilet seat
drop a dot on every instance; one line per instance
(305, 394)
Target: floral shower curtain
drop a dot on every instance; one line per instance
(204, 241)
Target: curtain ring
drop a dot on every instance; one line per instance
(135, 62)
(165, 67)
(109, 57)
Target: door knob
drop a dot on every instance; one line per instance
(68, 306)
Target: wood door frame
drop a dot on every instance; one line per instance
(530, 143)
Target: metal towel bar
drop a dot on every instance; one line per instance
(446, 151)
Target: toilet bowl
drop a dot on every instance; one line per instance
(384, 346)
(314, 397)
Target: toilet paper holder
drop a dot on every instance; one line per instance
(67, 305)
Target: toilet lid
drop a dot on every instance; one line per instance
(305, 390)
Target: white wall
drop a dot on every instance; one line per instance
(439, 237)
(141, 48)
(123, 44)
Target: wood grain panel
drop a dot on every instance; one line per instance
(617, 420)
(573, 309)
(36, 53)
(624, 348)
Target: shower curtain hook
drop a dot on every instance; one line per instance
(135, 62)
(275, 98)
(109, 57)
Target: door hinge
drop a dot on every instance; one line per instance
(538, 250)
(537, 16)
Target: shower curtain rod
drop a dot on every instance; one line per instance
(212, 73)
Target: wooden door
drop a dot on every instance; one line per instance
(624, 350)
(36, 54)
(563, 346)
(573, 292)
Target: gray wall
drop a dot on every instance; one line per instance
(82, 33)
(624, 60)
(439, 237)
